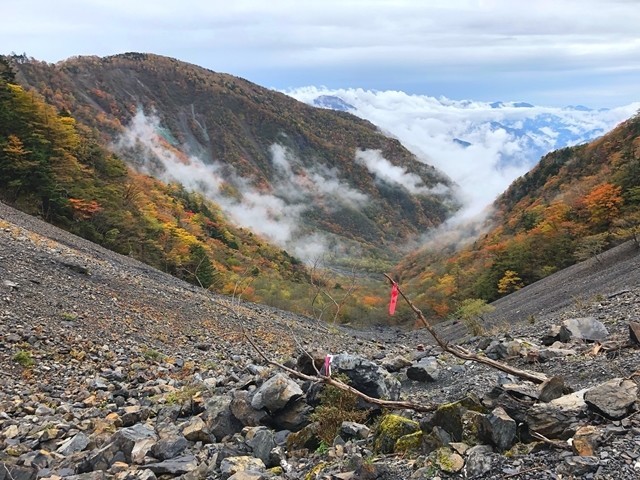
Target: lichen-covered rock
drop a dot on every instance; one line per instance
(390, 430)
(448, 461)
(409, 443)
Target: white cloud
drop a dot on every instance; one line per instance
(503, 143)
(275, 215)
(473, 48)
(384, 170)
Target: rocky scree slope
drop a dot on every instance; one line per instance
(110, 369)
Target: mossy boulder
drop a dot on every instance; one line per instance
(409, 443)
(306, 438)
(390, 430)
(448, 461)
(472, 427)
(449, 416)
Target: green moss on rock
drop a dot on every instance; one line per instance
(409, 443)
(391, 428)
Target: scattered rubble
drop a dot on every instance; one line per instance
(117, 371)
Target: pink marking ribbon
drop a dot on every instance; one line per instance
(394, 298)
(327, 365)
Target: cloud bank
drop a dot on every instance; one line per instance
(548, 52)
(482, 146)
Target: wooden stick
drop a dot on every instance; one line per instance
(465, 354)
(342, 386)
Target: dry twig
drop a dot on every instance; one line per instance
(465, 354)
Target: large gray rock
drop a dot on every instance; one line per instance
(261, 441)
(169, 447)
(218, 417)
(614, 398)
(584, 328)
(480, 459)
(175, 466)
(559, 418)
(125, 445)
(275, 393)
(500, 429)
(241, 409)
(367, 376)
(77, 443)
(426, 370)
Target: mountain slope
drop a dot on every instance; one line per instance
(53, 167)
(573, 205)
(320, 169)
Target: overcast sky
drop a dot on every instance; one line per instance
(551, 52)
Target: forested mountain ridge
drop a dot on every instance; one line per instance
(54, 167)
(241, 128)
(575, 203)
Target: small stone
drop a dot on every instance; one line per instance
(585, 441)
(448, 460)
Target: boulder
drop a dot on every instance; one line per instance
(390, 429)
(559, 418)
(480, 459)
(241, 409)
(77, 443)
(275, 393)
(196, 431)
(169, 447)
(350, 430)
(218, 418)
(426, 370)
(584, 328)
(551, 389)
(448, 461)
(261, 441)
(233, 465)
(614, 398)
(395, 364)
(175, 466)
(367, 377)
(586, 440)
(500, 429)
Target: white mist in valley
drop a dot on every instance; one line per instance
(276, 215)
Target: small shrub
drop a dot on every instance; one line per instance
(151, 354)
(336, 406)
(24, 358)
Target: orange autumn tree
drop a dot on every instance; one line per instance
(603, 204)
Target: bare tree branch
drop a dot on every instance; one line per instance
(340, 385)
(465, 354)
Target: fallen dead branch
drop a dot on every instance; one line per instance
(465, 354)
(393, 404)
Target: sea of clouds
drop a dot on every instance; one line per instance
(483, 147)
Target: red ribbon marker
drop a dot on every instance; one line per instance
(394, 298)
